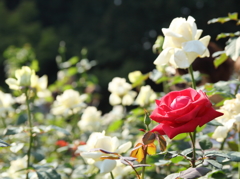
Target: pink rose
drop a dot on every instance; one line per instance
(182, 111)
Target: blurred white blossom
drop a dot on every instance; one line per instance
(121, 92)
(230, 118)
(182, 44)
(89, 117)
(6, 102)
(24, 78)
(40, 85)
(146, 96)
(70, 102)
(16, 165)
(100, 141)
(134, 76)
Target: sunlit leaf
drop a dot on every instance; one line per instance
(180, 136)
(233, 16)
(140, 80)
(138, 153)
(193, 173)
(148, 138)
(220, 60)
(232, 145)
(162, 141)
(162, 162)
(3, 144)
(205, 142)
(214, 163)
(151, 149)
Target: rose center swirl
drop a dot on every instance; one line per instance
(180, 102)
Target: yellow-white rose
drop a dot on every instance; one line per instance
(70, 102)
(24, 77)
(134, 76)
(231, 117)
(146, 96)
(90, 116)
(100, 141)
(182, 44)
(121, 92)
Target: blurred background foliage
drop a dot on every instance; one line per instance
(118, 34)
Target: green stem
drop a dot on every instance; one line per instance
(193, 147)
(222, 144)
(138, 176)
(144, 162)
(4, 123)
(190, 71)
(239, 151)
(236, 90)
(31, 133)
(111, 175)
(193, 137)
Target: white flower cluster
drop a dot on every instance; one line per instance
(231, 118)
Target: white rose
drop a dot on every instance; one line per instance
(100, 141)
(182, 44)
(70, 102)
(146, 96)
(23, 78)
(120, 92)
(90, 116)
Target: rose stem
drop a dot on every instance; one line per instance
(193, 146)
(239, 151)
(190, 71)
(193, 138)
(31, 133)
(133, 169)
(144, 161)
(222, 144)
(111, 175)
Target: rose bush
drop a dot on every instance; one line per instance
(182, 111)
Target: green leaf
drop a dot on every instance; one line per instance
(233, 16)
(22, 118)
(170, 154)
(234, 156)
(72, 71)
(3, 144)
(116, 125)
(205, 142)
(140, 80)
(13, 130)
(162, 162)
(162, 79)
(73, 60)
(232, 145)
(215, 153)
(214, 123)
(48, 174)
(15, 147)
(177, 159)
(220, 60)
(180, 136)
(172, 176)
(187, 152)
(224, 35)
(64, 131)
(192, 173)
(214, 163)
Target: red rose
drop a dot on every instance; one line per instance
(182, 111)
